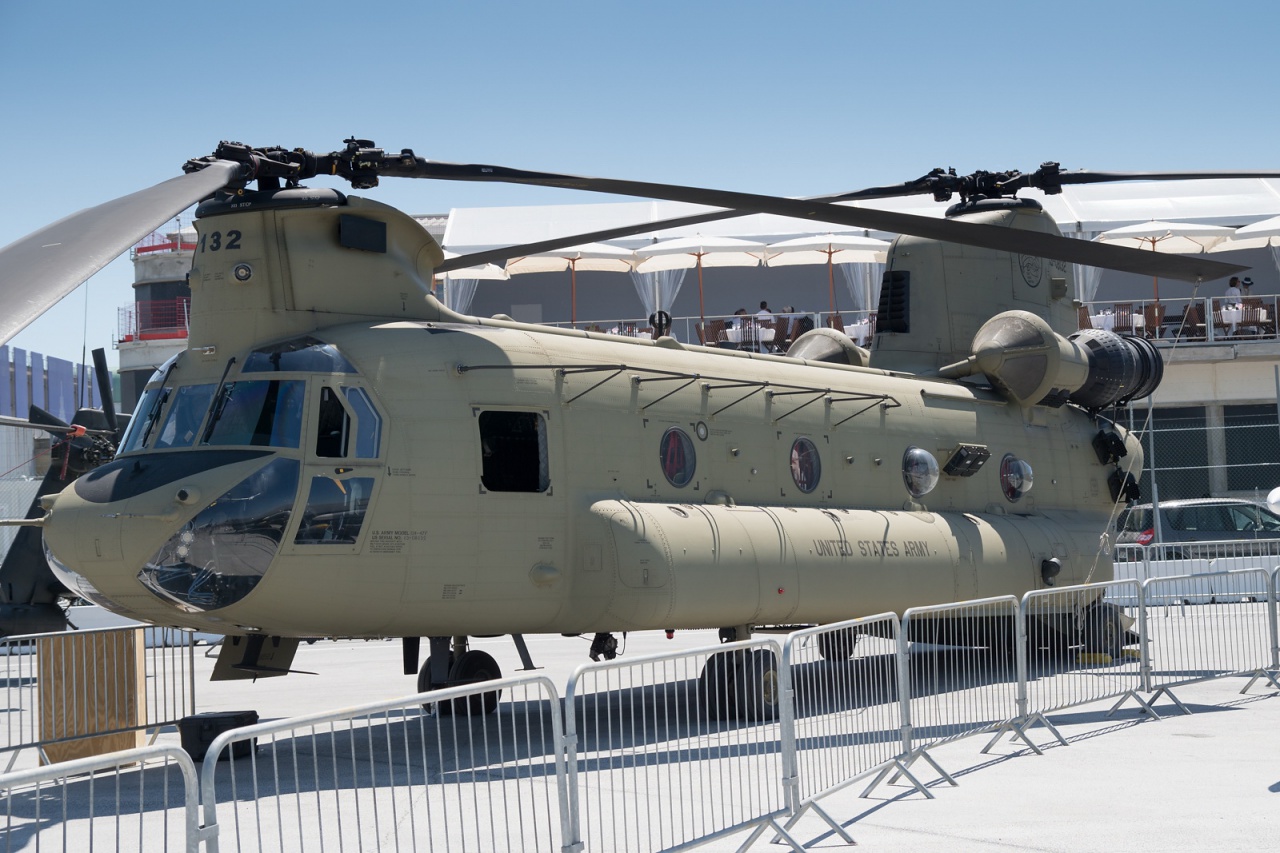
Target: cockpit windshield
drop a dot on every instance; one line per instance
(258, 413)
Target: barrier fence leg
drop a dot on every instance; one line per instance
(1262, 673)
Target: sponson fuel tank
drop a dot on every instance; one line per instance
(773, 565)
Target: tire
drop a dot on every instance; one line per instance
(837, 645)
(473, 667)
(424, 679)
(717, 686)
(1104, 631)
(759, 691)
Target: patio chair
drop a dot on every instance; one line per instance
(1082, 317)
(1123, 318)
(1153, 319)
(835, 321)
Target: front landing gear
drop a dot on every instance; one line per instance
(452, 664)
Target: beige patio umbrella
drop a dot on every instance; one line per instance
(1178, 238)
(466, 278)
(589, 257)
(699, 252)
(829, 249)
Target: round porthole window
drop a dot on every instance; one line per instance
(677, 457)
(1016, 477)
(806, 467)
(919, 471)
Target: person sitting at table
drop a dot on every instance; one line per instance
(1231, 301)
(764, 314)
(1246, 284)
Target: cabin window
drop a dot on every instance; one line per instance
(677, 457)
(806, 466)
(337, 431)
(182, 424)
(257, 413)
(335, 511)
(513, 447)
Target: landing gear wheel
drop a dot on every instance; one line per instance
(470, 668)
(424, 679)
(838, 645)
(1104, 631)
(758, 688)
(717, 686)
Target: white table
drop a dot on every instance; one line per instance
(1107, 322)
(758, 334)
(859, 331)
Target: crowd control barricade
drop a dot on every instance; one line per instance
(958, 673)
(395, 775)
(670, 751)
(844, 718)
(141, 799)
(76, 693)
(1206, 626)
(1076, 645)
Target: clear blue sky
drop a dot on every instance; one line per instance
(101, 99)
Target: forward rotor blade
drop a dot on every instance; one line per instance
(38, 270)
(1034, 243)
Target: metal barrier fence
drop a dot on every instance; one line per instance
(1207, 626)
(394, 775)
(844, 718)
(137, 799)
(65, 686)
(671, 751)
(959, 675)
(633, 729)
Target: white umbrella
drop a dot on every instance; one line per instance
(699, 251)
(829, 249)
(598, 257)
(1178, 238)
(1259, 235)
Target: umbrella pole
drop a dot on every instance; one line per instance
(702, 311)
(831, 284)
(573, 294)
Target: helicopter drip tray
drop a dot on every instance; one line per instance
(200, 730)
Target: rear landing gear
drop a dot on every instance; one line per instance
(741, 684)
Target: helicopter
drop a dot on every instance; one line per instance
(337, 454)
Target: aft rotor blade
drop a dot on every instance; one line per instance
(1015, 240)
(38, 270)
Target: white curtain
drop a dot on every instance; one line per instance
(863, 282)
(458, 293)
(1087, 278)
(657, 289)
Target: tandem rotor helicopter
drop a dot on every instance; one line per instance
(337, 454)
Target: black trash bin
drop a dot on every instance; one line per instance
(199, 731)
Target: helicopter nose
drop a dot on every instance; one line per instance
(136, 530)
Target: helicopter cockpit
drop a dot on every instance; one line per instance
(221, 554)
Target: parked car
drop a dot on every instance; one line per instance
(1233, 522)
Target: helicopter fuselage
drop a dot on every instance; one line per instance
(337, 454)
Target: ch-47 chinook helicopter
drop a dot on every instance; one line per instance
(337, 454)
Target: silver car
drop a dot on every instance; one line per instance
(1225, 520)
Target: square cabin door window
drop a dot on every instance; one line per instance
(513, 448)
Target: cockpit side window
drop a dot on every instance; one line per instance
(368, 422)
(300, 354)
(258, 413)
(146, 416)
(333, 429)
(513, 447)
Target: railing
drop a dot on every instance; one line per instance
(1204, 320)
(160, 319)
(107, 683)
